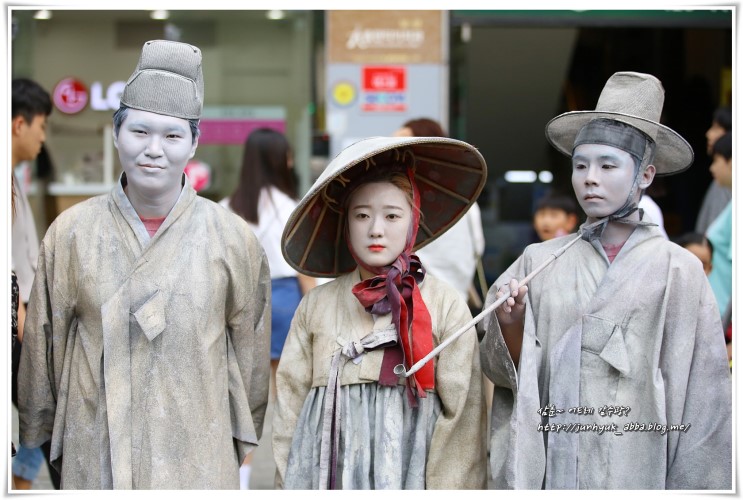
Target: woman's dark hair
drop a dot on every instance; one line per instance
(425, 127)
(724, 146)
(265, 163)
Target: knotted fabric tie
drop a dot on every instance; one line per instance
(330, 438)
(398, 293)
(596, 229)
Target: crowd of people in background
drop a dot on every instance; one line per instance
(159, 323)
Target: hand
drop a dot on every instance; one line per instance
(512, 311)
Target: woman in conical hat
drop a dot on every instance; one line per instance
(343, 419)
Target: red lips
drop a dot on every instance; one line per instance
(375, 248)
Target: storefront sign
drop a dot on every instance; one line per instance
(233, 124)
(384, 88)
(112, 98)
(71, 96)
(385, 36)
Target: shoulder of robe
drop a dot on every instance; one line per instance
(678, 256)
(435, 289)
(74, 219)
(229, 224)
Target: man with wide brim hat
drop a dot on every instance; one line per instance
(146, 356)
(343, 418)
(618, 343)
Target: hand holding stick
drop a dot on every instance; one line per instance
(399, 370)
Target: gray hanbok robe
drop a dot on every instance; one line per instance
(641, 335)
(146, 361)
(384, 443)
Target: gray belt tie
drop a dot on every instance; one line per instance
(332, 404)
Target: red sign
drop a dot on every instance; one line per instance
(70, 96)
(384, 78)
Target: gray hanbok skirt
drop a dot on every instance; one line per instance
(383, 441)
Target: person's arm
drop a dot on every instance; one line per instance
(21, 319)
(293, 383)
(248, 344)
(47, 322)
(457, 457)
(510, 316)
(698, 392)
(500, 351)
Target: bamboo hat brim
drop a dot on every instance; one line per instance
(449, 174)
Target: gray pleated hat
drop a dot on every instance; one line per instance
(168, 80)
(635, 99)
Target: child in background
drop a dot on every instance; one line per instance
(700, 246)
(556, 215)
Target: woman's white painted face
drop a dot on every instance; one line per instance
(154, 150)
(379, 217)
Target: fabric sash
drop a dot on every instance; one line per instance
(398, 293)
(330, 438)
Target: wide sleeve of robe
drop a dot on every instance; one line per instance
(292, 386)
(513, 466)
(248, 344)
(457, 458)
(38, 380)
(698, 389)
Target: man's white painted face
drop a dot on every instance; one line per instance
(602, 178)
(154, 150)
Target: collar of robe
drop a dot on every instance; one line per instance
(595, 230)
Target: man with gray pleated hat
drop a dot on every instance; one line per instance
(146, 356)
(610, 368)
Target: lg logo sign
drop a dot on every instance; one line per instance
(71, 96)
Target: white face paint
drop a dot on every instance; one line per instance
(379, 216)
(154, 150)
(602, 178)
